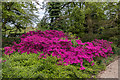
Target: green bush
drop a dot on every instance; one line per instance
(111, 34)
(29, 66)
(115, 49)
(89, 37)
(9, 41)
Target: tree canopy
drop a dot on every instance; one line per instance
(88, 20)
(17, 15)
(84, 19)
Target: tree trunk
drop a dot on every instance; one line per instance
(89, 23)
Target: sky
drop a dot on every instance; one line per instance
(41, 11)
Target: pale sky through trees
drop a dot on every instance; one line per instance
(41, 11)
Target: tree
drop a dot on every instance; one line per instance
(17, 15)
(88, 20)
(77, 19)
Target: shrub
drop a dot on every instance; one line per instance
(9, 41)
(50, 42)
(29, 66)
(89, 37)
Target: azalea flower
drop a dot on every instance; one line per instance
(4, 61)
(92, 64)
(65, 64)
(82, 68)
(0, 60)
(79, 41)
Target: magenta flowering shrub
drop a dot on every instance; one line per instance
(35, 41)
(50, 43)
(9, 50)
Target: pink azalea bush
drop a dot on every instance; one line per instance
(50, 43)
